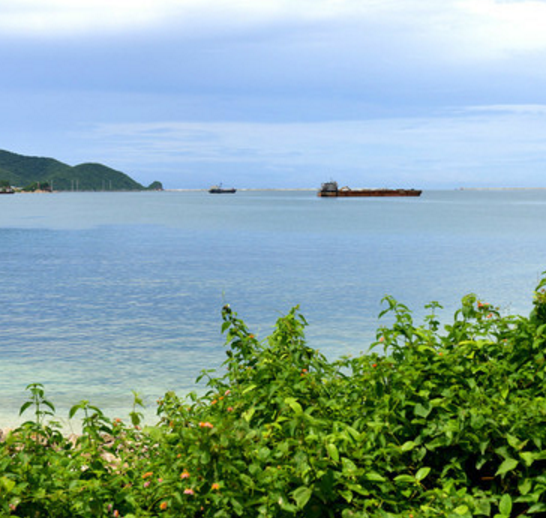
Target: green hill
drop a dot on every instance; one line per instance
(21, 171)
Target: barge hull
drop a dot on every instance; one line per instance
(363, 193)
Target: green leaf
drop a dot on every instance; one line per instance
(294, 405)
(528, 458)
(246, 480)
(237, 506)
(357, 488)
(537, 508)
(353, 433)
(247, 416)
(506, 466)
(483, 508)
(302, 496)
(408, 446)
(505, 505)
(422, 474)
(405, 479)
(374, 477)
(155, 432)
(421, 411)
(513, 441)
(348, 495)
(135, 418)
(49, 404)
(542, 454)
(333, 452)
(287, 506)
(263, 454)
(348, 467)
(73, 410)
(24, 407)
(525, 486)
(7, 484)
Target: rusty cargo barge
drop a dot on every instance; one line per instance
(331, 190)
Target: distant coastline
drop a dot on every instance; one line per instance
(31, 173)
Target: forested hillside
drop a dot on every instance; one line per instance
(22, 171)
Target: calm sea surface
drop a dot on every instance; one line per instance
(104, 293)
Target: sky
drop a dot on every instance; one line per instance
(280, 93)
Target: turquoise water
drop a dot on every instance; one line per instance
(104, 293)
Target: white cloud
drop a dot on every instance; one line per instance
(507, 109)
(55, 18)
(480, 26)
(514, 25)
(61, 17)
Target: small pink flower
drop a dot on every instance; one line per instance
(184, 474)
(147, 483)
(160, 480)
(189, 492)
(230, 409)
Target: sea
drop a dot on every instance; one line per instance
(103, 294)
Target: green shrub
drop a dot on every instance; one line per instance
(442, 421)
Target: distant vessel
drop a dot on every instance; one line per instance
(218, 189)
(331, 190)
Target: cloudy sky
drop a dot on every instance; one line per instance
(280, 93)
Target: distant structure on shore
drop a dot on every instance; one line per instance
(331, 190)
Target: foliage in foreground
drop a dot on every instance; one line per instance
(448, 422)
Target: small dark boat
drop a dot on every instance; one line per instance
(218, 189)
(331, 190)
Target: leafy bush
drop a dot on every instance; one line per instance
(443, 421)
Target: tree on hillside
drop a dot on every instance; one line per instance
(5, 186)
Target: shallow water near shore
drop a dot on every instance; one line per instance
(104, 293)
